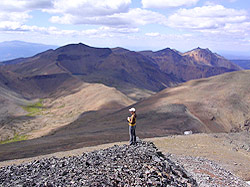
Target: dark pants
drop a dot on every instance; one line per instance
(132, 135)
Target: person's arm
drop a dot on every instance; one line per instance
(129, 119)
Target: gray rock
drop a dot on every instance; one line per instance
(138, 165)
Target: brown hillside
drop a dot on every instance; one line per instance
(221, 103)
(216, 104)
(60, 111)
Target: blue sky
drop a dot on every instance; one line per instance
(220, 25)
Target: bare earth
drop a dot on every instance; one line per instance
(226, 150)
(63, 110)
(216, 147)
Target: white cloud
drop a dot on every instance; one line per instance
(67, 11)
(101, 32)
(133, 17)
(152, 34)
(14, 16)
(115, 13)
(23, 5)
(207, 18)
(114, 16)
(118, 30)
(167, 3)
(90, 7)
(14, 13)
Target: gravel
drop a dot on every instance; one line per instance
(207, 173)
(137, 165)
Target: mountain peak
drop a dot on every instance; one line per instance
(208, 58)
(80, 48)
(167, 51)
(120, 50)
(74, 46)
(199, 49)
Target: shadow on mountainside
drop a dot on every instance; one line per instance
(99, 127)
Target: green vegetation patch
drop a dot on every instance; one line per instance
(62, 106)
(16, 138)
(34, 109)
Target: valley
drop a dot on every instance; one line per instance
(76, 98)
(77, 95)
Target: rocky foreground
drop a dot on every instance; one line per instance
(138, 165)
(207, 172)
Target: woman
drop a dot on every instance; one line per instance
(132, 126)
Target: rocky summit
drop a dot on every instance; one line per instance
(137, 165)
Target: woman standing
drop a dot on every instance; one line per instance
(132, 126)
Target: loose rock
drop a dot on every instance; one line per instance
(137, 165)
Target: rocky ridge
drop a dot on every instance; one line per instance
(138, 165)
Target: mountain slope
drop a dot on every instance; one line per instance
(17, 49)
(60, 111)
(220, 103)
(215, 104)
(125, 71)
(12, 114)
(198, 63)
(206, 57)
(39, 86)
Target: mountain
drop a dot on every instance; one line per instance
(198, 63)
(125, 71)
(131, 72)
(245, 64)
(18, 94)
(17, 49)
(215, 104)
(120, 50)
(61, 75)
(78, 81)
(206, 57)
(38, 86)
(20, 116)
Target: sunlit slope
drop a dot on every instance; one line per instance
(60, 111)
(216, 104)
(221, 103)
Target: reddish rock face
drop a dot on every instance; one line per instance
(198, 63)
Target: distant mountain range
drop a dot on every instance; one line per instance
(245, 64)
(125, 71)
(120, 68)
(19, 49)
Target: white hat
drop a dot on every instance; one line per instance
(132, 110)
